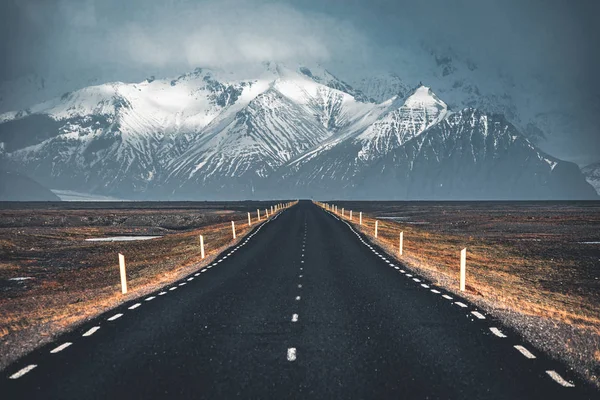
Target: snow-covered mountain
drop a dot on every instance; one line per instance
(280, 131)
(421, 150)
(592, 175)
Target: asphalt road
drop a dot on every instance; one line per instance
(302, 309)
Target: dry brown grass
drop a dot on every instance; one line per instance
(59, 299)
(504, 281)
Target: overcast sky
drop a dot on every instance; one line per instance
(558, 40)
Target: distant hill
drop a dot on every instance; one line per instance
(17, 187)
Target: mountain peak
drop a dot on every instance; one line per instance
(423, 97)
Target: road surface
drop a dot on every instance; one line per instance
(303, 308)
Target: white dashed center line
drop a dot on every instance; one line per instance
(435, 291)
(114, 317)
(524, 351)
(497, 332)
(297, 298)
(150, 298)
(447, 297)
(182, 283)
(173, 288)
(136, 305)
(190, 279)
(299, 286)
(559, 379)
(463, 305)
(162, 293)
(291, 354)
(61, 347)
(295, 318)
(91, 331)
(25, 370)
(425, 286)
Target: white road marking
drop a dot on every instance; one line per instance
(28, 368)
(478, 314)
(299, 286)
(291, 354)
(425, 286)
(162, 293)
(446, 297)
(61, 347)
(91, 331)
(196, 274)
(559, 379)
(136, 305)
(299, 276)
(524, 351)
(204, 270)
(403, 271)
(302, 261)
(190, 279)
(409, 275)
(182, 283)
(458, 303)
(150, 298)
(435, 291)
(173, 288)
(114, 317)
(397, 267)
(497, 332)
(297, 298)
(301, 268)
(416, 280)
(295, 318)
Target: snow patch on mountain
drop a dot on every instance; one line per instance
(592, 175)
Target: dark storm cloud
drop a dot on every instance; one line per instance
(553, 41)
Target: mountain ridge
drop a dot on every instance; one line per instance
(206, 134)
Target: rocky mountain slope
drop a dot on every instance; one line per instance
(592, 175)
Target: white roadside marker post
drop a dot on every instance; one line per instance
(401, 243)
(202, 246)
(258, 214)
(249, 220)
(376, 224)
(350, 215)
(123, 274)
(233, 228)
(463, 269)
(342, 212)
(267, 213)
(360, 218)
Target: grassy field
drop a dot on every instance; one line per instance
(52, 279)
(535, 265)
